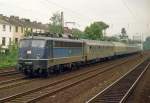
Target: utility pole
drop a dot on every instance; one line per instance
(62, 22)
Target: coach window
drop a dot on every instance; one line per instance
(3, 41)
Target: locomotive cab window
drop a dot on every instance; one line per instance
(32, 43)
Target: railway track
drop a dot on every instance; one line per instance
(57, 86)
(121, 88)
(8, 72)
(7, 69)
(10, 78)
(13, 82)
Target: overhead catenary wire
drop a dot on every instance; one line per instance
(78, 15)
(129, 10)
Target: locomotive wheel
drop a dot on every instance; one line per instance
(45, 73)
(78, 65)
(57, 69)
(25, 72)
(61, 69)
(69, 67)
(31, 74)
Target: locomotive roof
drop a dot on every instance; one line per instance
(56, 39)
(88, 42)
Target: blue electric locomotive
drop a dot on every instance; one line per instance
(41, 55)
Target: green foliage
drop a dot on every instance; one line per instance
(27, 33)
(146, 44)
(123, 31)
(113, 38)
(77, 33)
(10, 58)
(55, 25)
(96, 30)
(148, 39)
(124, 35)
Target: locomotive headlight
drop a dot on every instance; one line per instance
(28, 51)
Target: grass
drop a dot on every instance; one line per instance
(9, 59)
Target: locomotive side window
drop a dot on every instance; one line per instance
(67, 44)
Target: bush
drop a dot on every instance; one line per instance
(10, 58)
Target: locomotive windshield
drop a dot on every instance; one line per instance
(31, 48)
(32, 43)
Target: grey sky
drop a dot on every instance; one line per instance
(132, 14)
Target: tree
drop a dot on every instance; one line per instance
(28, 33)
(148, 39)
(112, 38)
(55, 25)
(96, 30)
(123, 34)
(146, 44)
(77, 33)
(124, 37)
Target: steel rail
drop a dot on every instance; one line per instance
(110, 95)
(6, 73)
(14, 83)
